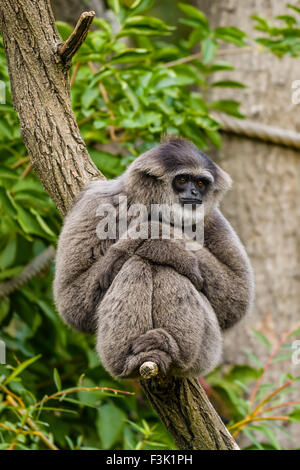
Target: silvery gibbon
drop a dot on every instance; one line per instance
(156, 299)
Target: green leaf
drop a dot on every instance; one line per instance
(288, 19)
(252, 438)
(254, 359)
(209, 48)
(218, 66)
(262, 339)
(195, 37)
(18, 370)
(197, 102)
(227, 106)
(57, 379)
(141, 121)
(5, 108)
(144, 25)
(295, 332)
(214, 137)
(8, 273)
(7, 256)
(288, 5)
(194, 13)
(130, 95)
(295, 416)
(228, 83)
(103, 73)
(6, 173)
(29, 223)
(64, 30)
(282, 357)
(4, 307)
(270, 435)
(115, 6)
(110, 423)
(130, 56)
(230, 34)
(90, 398)
(138, 6)
(89, 96)
(262, 23)
(147, 21)
(5, 131)
(44, 226)
(207, 123)
(27, 185)
(104, 24)
(243, 373)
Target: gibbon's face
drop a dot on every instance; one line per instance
(191, 189)
(176, 172)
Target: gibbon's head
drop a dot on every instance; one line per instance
(176, 171)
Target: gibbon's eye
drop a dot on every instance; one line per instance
(200, 184)
(182, 180)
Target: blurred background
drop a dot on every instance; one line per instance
(147, 68)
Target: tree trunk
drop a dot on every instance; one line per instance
(183, 407)
(263, 205)
(40, 88)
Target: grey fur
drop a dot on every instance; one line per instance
(153, 299)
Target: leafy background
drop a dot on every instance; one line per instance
(127, 88)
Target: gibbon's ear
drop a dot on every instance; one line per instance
(145, 166)
(223, 182)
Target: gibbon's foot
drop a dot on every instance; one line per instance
(157, 339)
(153, 339)
(156, 346)
(134, 362)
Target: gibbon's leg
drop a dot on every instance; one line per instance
(152, 313)
(188, 318)
(124, 314)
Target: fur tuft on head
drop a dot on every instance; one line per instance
(148, 179)
(174, 139)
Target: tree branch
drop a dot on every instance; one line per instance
(187, 413)
(40, 89)
(68, 48)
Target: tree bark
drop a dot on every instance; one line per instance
(263, 205)
(40, 88)
(184, 408)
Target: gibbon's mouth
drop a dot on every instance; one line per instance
(194, 202)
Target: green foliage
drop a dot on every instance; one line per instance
(282, 35)
(127, 95)
(143, 91)
(253, 406)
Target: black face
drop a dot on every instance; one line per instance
(190, 188)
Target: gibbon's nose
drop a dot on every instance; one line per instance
(194, 192)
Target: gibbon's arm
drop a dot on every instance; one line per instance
(167, 252)
(79, 261)
(227, 274)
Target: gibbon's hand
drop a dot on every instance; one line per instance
(112, 263)
(174, 254)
